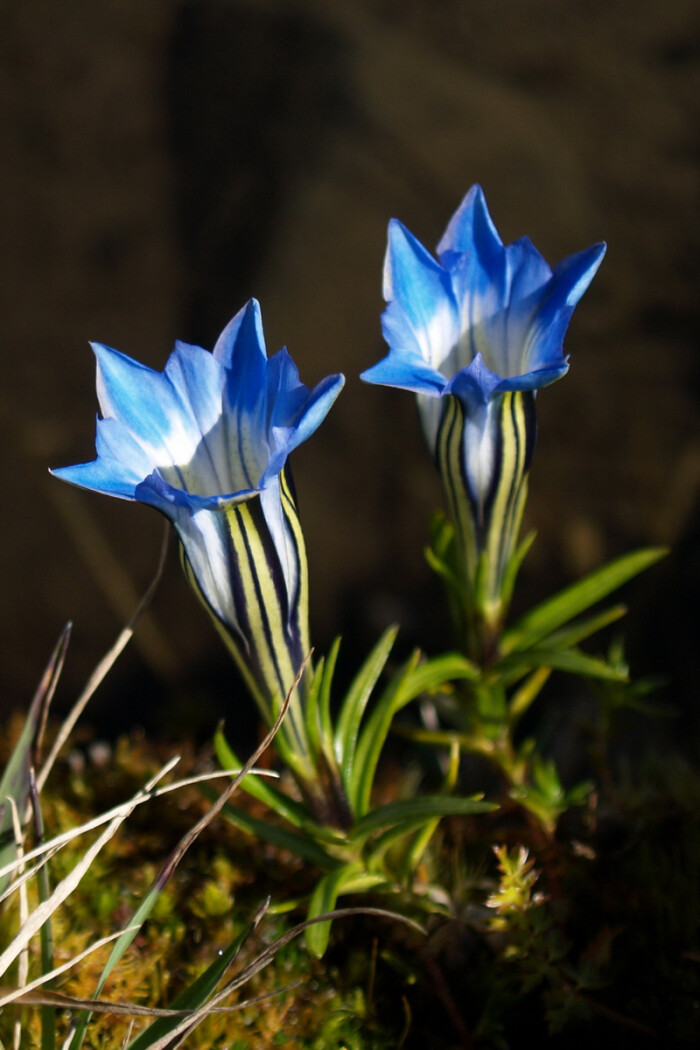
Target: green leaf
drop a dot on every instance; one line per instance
(312, 720)
(324, 699)
(510, 668)
(441, 556)
(261, 789)
(300, 845)
(345, 741)
(556, 611)
(433, 673)
(582, 629)
(513, 568)
(545, 797)
(409, 682)
(317, 713)
(416, 811)
(422, 839)
(15, 785)
(374, 736)
(350, 878)
(197, 993)
(398, 831)
(527, 693)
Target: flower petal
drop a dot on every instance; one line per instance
(422, 314)
(294, 412)
(475, 335)
(408, 371)
(471, 228)
(120, 465)
(476, 384)
(569, 281)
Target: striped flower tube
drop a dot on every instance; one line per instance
(206, 442)
(475, 334)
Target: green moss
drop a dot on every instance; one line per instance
(599, 933)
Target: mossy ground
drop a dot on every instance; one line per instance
(611, 954)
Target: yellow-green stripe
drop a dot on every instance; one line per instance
(268, 635)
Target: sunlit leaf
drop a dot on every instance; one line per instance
(350, 878)
(556, 611)
(198, 992)
(345, 740)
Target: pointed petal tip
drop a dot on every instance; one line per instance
(578, 270)
(474, 197)
(405, 372)
(101, 349)
(245, 324)
(328, 389)
(395, 227)
(471, 227)
(252, 306)
(594, 254)
(400, 241)
(398, 234)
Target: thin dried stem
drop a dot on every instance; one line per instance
(103, 667)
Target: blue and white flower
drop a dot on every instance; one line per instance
(475, 333)
(206, 442)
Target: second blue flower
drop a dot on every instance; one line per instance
(475, 333)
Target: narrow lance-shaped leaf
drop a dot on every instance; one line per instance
(415, 811)
(348, 726)
(198, 992)
(324, 697)
(298, 844)
(312, 717)
(288, 808)
(556, 611)
(573, 661)
(578, 631)
(409, 682)
(426, 831)
(347, 879)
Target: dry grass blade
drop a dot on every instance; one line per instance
(176, 856)
(102, 668)
(63, 890)
(103, 1006)
(23, 964)
(182, 1030)
(340, 913)
(16, 778)
(48, 848)
(28, 996)
(25, 874)
(47, 688)
(34, 995)
(187, 839)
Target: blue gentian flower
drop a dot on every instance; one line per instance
(206, 442)
(475, 334)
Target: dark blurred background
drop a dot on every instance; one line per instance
(163, 161)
